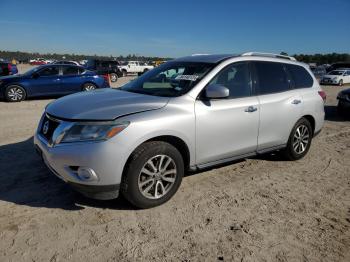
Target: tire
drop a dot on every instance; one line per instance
(145, 70)
(298, 143)
(125, 73)
(113, 77)
(340, 82)
(15, 93)
(162, 184)
(89, 87)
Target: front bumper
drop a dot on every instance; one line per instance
(64, 160)
(329, 82)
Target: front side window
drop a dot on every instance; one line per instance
(236, 78)
(170, 79)
(300, 76)
(70, 70)
(336, 73)
(49, 71)
(272, 78)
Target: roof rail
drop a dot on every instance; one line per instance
(269, 55)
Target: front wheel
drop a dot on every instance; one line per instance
(153, 174)
(125, 73)
(15, 93)
(299, 140)
(340, 82)
(89, 87)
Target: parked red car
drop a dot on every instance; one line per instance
(38, 61)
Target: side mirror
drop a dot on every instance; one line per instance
(35, 75)
(216, 91)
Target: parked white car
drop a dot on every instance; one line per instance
(134, 67)
(337, 77)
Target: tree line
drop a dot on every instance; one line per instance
(319, 59)
(26, 56)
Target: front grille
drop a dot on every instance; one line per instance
(48, 127)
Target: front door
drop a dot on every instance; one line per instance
(227, 128)
(46, 82)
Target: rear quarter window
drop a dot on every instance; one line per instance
(300, 76)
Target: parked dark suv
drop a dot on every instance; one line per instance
(103, 67)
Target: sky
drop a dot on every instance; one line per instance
(175, 28)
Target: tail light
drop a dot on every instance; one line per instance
(323, 95)
(106, 78)
(9, 66)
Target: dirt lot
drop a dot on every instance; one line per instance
(260, 209)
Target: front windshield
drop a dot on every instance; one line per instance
(336, 73)
(170, 79)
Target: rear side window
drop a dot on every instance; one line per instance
(272, 78)
(70, 70)
(300, 76)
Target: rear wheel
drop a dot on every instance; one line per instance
(125, 73)
(153, 175)
(113, 77)
(299, 140)
(340, 82)
(89, 87)
(15, 93)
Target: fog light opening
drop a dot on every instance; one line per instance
(87, 174)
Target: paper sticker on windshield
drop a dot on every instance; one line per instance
(187, 77)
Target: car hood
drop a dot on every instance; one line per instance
(10, 77)
(104, 104)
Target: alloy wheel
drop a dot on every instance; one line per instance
(157, 177)
(301, 139)
(15, 94)
(89, 87)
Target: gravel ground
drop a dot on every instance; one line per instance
(258, 209)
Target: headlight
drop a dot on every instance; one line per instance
(91, 131)
(335, 78)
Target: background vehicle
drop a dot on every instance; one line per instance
(50, 80)
(103, 67)
(319, 72)
(187, 114)
(134, 67)
(65, 62)
(337, 77)
(338, 65)
(8, 69)
(344, 102)
(38, 61)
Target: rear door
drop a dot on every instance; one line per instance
(48, 81)
(280, 104)
(227, 128)
(72, 80)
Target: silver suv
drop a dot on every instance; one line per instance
(187, 114)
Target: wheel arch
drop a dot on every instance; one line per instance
(175, 141)
(312, 121)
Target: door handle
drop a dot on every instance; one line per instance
(251, 109)
(296, 101)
